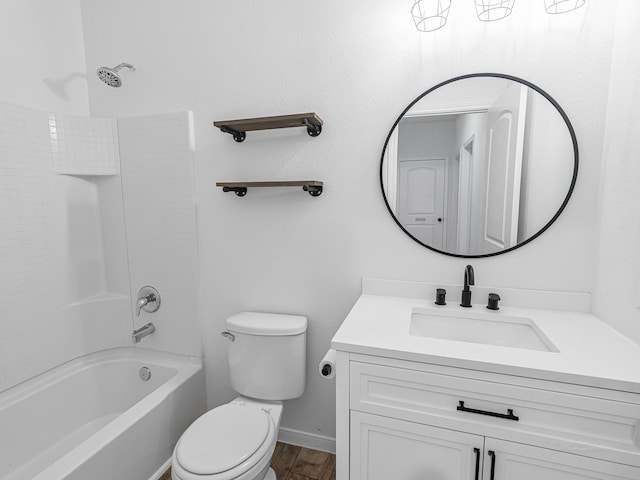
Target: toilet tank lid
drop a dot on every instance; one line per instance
(258, 323)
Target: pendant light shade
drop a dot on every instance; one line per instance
(490, 10)
(430, 15)
(562, 6)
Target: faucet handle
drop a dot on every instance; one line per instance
(441, 294)
(492, 304)
(148, 300)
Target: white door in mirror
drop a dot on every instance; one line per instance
(421, 199)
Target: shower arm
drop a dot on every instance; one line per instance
(117, 68)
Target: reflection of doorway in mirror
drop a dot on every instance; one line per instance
(482, 149)
(465, 189)
(507, 150)
(421, 199)
(470, 139)
(505, 145)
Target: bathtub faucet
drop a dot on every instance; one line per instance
(143, 302)
(142, 332)
(148, 300)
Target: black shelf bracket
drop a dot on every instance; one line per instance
(312, 129)
(238, 136)
(239, 191)
(314, 190)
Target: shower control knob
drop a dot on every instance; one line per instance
(148, 300)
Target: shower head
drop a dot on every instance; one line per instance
(110, 75)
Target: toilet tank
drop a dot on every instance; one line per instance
(267, 356)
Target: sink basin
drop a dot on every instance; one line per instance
(485, 328)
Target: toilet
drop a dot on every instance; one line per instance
(267, 364)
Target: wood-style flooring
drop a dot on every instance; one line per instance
(296, 463)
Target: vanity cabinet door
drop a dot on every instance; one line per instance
(515, 461)
(384, 448)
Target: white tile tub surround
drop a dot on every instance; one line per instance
(64, 289)
(157, 169)
(83, 145)
(25, 232)
(65, 273)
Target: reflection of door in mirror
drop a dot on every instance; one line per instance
(421, 199)
(505, 144)
(459, 140)
(477, 198)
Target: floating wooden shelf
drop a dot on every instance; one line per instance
(314, 187)
(239, 128)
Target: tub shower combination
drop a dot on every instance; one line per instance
(116, 413)
(113, 414)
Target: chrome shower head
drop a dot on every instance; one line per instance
(110, 75)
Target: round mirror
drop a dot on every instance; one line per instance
(479, 165)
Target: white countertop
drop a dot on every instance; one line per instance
(590, 352)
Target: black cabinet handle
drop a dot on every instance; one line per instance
(509, 415)
(477, 452)
(492, 454)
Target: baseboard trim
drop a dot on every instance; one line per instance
(307, 440)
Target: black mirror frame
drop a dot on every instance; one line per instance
(507, 77)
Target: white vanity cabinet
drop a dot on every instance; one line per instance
(385, 448)
(514, 461)
(414, 421)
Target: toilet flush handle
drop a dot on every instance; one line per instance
(229, 336)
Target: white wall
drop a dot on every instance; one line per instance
(42, 55)
(617, 273)
(548, 165)
(357, 64)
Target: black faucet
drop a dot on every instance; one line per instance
(468, 280)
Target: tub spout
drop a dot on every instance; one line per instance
(142, 332)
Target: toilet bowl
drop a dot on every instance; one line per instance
(266, 357)
(231, 442)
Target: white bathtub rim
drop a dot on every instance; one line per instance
(32, 385)
(184, 368)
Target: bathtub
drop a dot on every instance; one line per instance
(95, 418)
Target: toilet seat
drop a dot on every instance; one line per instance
(225, 443)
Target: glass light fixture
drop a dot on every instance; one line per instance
(562, 6)
(430, 15)
(490, 10)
